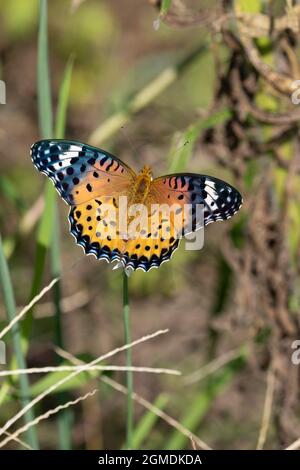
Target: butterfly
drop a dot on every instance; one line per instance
(93, 182)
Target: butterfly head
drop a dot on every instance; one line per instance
(146, 172)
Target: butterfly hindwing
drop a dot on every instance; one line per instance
(153, 244)
(93, 230)
(98, 233)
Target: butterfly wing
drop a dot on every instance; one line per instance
(99, 232)
(219, 200)
(150, 247)
(95, 230)
(86, 177)
(80, 172)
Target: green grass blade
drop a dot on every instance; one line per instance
(10, 191)
(63, 99)
(9, 302)
(43, 242)
(182, 151)
(65, 418)
(147, 422)
(52, 378)
(129, 374)
(44, 236)
(43, 77)
(165, 6)
(56, 272)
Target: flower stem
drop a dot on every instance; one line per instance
(129, 374)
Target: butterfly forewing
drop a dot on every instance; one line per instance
(81, 172)
(88, 179)
(218, 200)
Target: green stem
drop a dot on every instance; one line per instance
(129, 374)
(43, 75)
(65, 418)
(44, 235)
(10, 305)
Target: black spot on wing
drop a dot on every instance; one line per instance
(154, 261)
(95, 248)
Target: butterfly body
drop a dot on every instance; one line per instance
(141, 186)
(130, 218)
